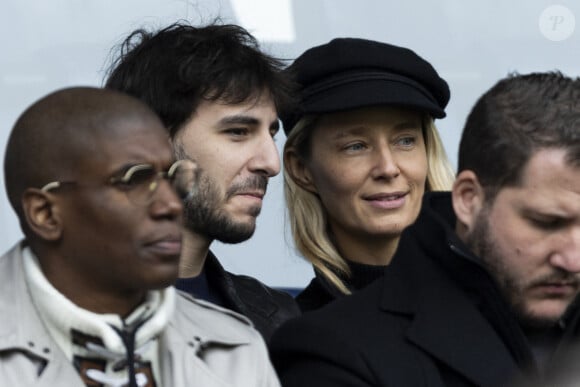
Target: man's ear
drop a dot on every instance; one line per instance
(298, 171)
(468, 199)
(42, 214)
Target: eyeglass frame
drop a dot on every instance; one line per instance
(115, 180)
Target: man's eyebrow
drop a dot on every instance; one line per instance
(239, 119)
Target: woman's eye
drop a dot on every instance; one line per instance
(355, 147)
(406, 141)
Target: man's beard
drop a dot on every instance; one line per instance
(203, 215)
(481, 241)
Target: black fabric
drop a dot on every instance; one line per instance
(363, 275)
(267, 308)
(320, 291)
(434, 319)
(349, 73)
(200, 288)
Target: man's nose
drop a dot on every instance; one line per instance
(265, 160)
(567, 257)
(166, 201)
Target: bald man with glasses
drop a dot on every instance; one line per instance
(85, 298)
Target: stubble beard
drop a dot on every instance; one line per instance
(482, 242)
(203, 215)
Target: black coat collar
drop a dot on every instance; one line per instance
(449, 327)
(446, 322)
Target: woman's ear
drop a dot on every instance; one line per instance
(298, 170)
(42, 214)
(468, 199)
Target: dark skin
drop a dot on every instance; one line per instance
(99, 249)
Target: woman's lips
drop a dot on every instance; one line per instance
(388, 201)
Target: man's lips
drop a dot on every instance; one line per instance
(167, 245)
(254, 194)
(557, 288)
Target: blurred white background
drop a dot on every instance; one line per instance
(50, 44)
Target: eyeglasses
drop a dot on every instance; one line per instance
(141, 181)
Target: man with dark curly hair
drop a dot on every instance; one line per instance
(218, 96)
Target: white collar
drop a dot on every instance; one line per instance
(60, 315)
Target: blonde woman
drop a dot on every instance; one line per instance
(361, 150)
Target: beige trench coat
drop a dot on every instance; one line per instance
(204, 345)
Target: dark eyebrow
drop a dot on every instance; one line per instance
(246, 120)
(239, 119)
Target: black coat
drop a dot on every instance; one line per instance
(435, 319)
(317, 294)
(321, 291)
(267, 308)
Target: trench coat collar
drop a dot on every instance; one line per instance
(191, 327)
(24, 330)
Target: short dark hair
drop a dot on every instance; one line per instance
(517, 117)
(53, 136)
(177, 67)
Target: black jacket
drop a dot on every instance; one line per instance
(267, 308)
(435, 319)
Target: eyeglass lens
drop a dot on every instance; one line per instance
(142, 182)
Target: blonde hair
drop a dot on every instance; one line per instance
(307, 217)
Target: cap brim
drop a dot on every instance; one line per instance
(368, 93)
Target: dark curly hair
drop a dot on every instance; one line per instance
(177, 67)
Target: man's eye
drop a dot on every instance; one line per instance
(274, 132)
(136, 178)
(547, 224)
(237, 131)
(141, 176)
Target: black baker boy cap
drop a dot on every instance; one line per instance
(349, 73)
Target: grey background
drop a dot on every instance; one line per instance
(49, 44)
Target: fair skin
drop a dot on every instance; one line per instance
(234, 147)
(368, 166)
(529, 236)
